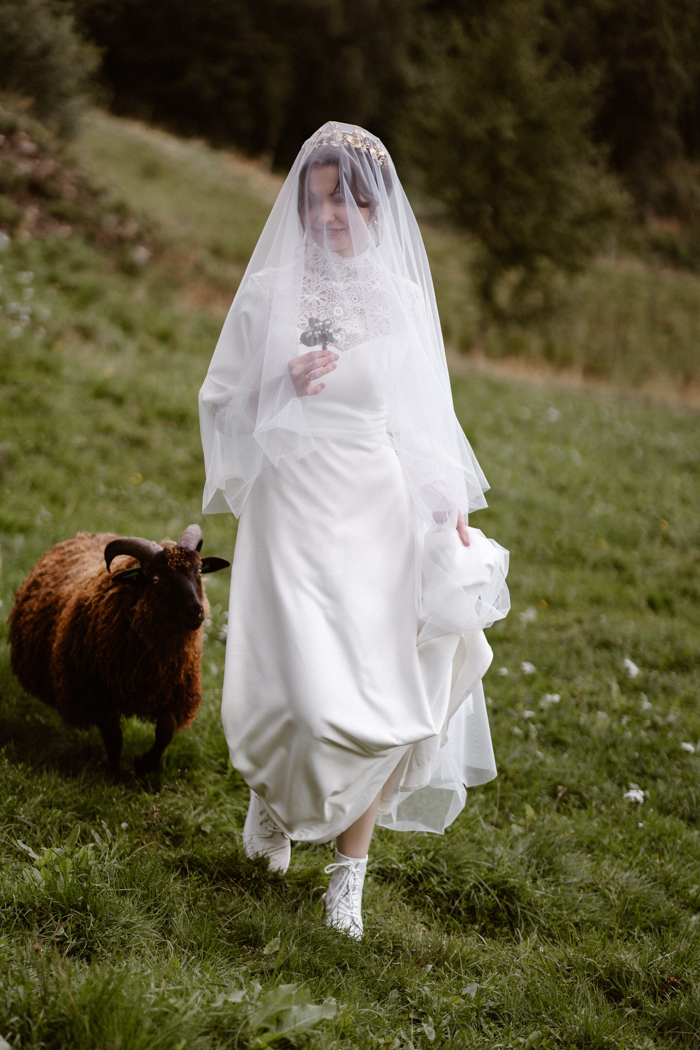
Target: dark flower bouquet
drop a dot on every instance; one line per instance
(319, 333)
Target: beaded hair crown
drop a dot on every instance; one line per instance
(331, 134)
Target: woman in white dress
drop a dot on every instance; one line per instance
(355, 649)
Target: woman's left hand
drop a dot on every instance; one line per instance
(462, 530)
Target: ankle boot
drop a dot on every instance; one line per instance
(343, 898)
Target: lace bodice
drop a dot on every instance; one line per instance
(358, 295)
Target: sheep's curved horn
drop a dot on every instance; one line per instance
(191, 538)
(144, 550)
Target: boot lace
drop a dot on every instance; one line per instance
(266, 828)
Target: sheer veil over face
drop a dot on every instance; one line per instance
(340, 277)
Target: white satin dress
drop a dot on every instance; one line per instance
(333, 689)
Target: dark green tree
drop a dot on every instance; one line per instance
(261, 76)
(501, 137)
(43, 59)
(645, 58)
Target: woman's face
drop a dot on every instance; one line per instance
(327, 216)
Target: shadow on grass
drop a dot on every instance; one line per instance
(33, 734)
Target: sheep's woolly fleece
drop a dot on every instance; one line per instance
(83, 643)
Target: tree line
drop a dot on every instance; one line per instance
(538, 125)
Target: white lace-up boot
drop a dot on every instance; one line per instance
(343, 898)
(262, 837)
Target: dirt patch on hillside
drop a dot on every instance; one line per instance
(659, 388)
(45, 193)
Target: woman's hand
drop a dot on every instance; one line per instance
(309, 368)
(462, 529)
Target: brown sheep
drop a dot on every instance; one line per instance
(98, 645)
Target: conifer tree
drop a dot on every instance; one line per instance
(501, 138)
(261, 76)
(645, 59)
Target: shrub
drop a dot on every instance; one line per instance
(43, 59)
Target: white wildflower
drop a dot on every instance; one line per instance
(634, 794)
(503, 671)
(25, 277)
(4, 242)
(527, 668)
(516, 730)
(552, 415)
(550, 698)
(690, 748)
(140, 254)
(630, 667)
(528, 615)
(528, 714)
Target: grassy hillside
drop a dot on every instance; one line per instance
(555, 913)
(624, 320)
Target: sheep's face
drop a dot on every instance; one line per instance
(172, 580)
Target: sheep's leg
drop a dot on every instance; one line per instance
(112, 735)
(150, 762)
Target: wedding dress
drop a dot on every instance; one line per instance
(355, 646)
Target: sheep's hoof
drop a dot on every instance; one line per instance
(146, 764)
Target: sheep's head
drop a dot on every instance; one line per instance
(170, 576)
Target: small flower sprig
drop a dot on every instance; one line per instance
(319, 333)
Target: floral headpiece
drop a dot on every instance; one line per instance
(332, 135)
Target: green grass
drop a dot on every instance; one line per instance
(552, 906)
(209, 204)
(626, 323)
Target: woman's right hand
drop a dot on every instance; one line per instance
(308, 369)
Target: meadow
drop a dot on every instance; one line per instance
(561, 910)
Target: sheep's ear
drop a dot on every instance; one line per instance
(132, 575)
(213, 564)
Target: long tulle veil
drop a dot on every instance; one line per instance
(379, 292)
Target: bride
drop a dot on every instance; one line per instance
(355, 651)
